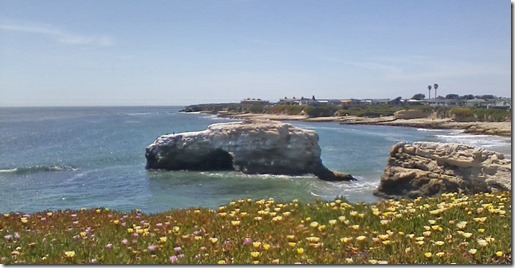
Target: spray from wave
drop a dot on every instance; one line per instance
(36, 169)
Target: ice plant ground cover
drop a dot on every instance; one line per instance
(453, 228)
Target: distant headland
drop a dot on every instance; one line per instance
(484, 114)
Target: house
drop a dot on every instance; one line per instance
(476, 103)
(375, 101)
(443, 102)
(501, 103)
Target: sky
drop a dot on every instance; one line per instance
(178, 52)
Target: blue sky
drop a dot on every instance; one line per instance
(113, 52)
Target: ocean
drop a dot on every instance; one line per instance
(88, 157)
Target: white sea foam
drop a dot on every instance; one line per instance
(430, 130)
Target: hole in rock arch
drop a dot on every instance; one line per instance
(217, 160)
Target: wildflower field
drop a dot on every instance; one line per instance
(453, 228)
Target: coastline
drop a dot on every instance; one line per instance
(476, 127)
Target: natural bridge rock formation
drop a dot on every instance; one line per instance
(429, 168)
(251, 146)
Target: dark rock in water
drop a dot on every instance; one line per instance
(252, 147)
(429, 168)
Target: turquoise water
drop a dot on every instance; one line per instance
(70, 158)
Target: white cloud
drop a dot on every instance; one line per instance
(58, 34)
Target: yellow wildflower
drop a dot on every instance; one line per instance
(419, 243)
(349, 260)
(461, 224)
(313, 239)
(322, 228)
(361, 238)
(439, 243)
(482, 242)
(467, 235)
(431, 221)
(382, 262)
(345, 240)
(372, 261)
(266, 246)
(130, 230)
(255, 254)
(480, 220)
(499, 253)
(256, 244)
(355, 227)
(221, 262)
(440, 254)
(69, 254)
(24, 220)
(332, 222)
(353, 213)
(314, 224)
(300, 251)
(292, 244)
(163, 239)
(472, 251)
(384, 222)
(213, 240)
(481, 230)
(235, 223)
(277, 218)
(428, 254)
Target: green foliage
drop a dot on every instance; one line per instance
(462, 114)
(321, 111)
(492, 115)
(370, 110)
(285, 109)
(452, 228)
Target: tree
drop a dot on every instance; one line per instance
(396, 101)
(313, 98)
(418, 96)
(435, 86)
(487, 97)
(467, 97)
(452, 96)
(429, 87)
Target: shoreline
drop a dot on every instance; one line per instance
(481, 128)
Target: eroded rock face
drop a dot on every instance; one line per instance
(251, 146)
(429, 168)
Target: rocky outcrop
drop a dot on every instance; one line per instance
(251, 146)
(429, 168)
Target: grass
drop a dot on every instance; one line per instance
(453, 228)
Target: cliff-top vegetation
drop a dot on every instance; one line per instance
(453, 228)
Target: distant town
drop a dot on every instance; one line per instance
(450, 100)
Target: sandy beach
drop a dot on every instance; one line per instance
(488, 128)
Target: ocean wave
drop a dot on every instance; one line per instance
(36, 169)
(225, 174)
(431, 130)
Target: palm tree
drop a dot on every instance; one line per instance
(429, 87)
(435, 86)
